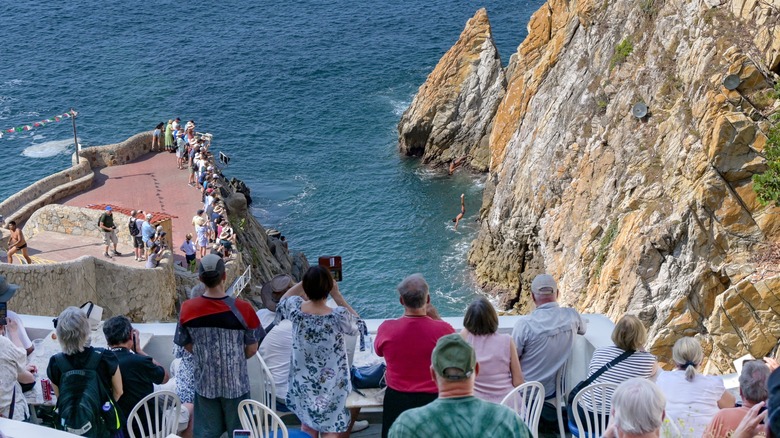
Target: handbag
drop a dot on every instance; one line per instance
(367, 376)
(594, 376)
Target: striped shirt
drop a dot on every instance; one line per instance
(639, 364)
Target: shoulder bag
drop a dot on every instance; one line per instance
(594, 376)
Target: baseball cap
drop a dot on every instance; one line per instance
(544, 284)
(108, 208)
(148, 216)
(453, 358)
(211, 266)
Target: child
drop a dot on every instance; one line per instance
(153, 258)
(203, 236)
(189, 252)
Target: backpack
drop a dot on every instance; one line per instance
(80, 404)
(133, 226)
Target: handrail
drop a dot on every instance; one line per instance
(241, 283)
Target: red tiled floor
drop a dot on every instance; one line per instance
(151, 183)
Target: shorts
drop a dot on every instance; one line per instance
(109, 237)
(190, 258)
(226, 244)
(138, 242)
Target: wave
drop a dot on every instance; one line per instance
(13, 83)
(399, 106)
(306, 191)
(48, 149)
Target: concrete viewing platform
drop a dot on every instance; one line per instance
(152, 182)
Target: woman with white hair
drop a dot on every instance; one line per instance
(637, 410)
(692, 398)
(73, 335)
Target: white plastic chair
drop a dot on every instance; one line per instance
(261, 420)
(561, 393)
(267, 386)
(527, 400)
(161, 410)
(600, 395)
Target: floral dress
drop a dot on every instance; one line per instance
(318, 384)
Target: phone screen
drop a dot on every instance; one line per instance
(242, 434)
(3, 313)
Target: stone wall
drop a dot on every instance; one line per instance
(73, 180)
(144, 295)
(118, 153)
(75, 221)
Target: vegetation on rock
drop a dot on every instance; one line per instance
(767, 184)
(621, 53)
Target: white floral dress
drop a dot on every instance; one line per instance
(318, 384)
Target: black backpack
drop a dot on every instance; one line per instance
(133, 226)
(80, 403)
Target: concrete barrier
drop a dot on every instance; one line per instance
(118, 153)
(48, 190)
(139, 293)
(76, 221)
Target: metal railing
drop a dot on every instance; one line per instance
(241, 283)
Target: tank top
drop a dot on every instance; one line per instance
(494, 380)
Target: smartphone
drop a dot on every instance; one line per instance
(242, 434)
(333, 264)
(3, 313)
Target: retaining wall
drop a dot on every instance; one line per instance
(75, 221)
(144, 295)
(48, 190)
(118, 153)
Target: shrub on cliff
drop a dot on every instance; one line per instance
(767, 184)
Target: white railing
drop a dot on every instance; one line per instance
(241, 282)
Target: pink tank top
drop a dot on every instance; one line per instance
(494, 380)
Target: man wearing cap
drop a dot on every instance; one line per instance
(457, 413)
(106, 224)
(544, 338)
(270, 294)
(221, 332)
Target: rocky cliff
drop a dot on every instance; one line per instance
(449, 119)
(654, 215)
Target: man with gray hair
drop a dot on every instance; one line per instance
(406, 344)
(752, 390)
(544, 339)
(637, 410)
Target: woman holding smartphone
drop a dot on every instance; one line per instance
(319, 380)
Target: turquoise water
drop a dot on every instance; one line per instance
(304, 96)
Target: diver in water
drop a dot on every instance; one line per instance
(462, 211)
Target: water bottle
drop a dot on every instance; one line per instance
(106, 407)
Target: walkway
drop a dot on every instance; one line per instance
(151, 183)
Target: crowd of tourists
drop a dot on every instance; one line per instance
(439, 383)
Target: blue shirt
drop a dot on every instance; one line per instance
(147, 232)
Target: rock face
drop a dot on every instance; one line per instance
(450, 117)
(653, 216)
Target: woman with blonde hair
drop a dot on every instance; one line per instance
(499, 364)
(629, 337)
(692, 399)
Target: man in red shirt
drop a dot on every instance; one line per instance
(221, 332)
(406, 344)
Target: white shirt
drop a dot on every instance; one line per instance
(276, 351)
(544, 339)
(690, 405)
(12, 361)
(266, 317)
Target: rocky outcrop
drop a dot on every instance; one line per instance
(654, 216)
(450, 117)
(266, 255)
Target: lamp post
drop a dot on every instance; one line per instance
(73, 115)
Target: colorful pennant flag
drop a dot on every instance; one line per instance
(57, 118)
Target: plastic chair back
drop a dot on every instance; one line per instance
(155, 416)
(597, 409)
(527, 400)
(261, 420)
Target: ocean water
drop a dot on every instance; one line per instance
(303, 96)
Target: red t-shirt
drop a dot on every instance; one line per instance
(406, 344)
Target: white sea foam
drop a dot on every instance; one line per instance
(48, 148)
(399, 106)
(306, 191)
(13, 83)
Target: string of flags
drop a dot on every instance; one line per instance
(44, 122)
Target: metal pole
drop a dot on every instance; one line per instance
(75, 137)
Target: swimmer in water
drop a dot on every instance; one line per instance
(462, 211)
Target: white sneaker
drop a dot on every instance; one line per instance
(359, 426)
